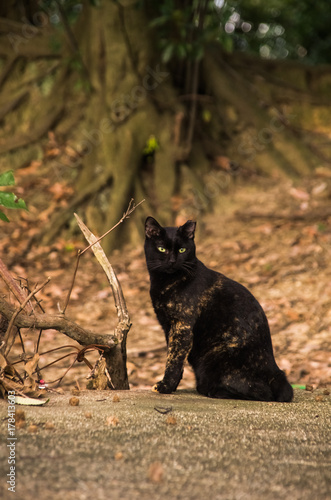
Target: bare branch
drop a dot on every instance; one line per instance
(72, 283)
(129, 210)
(10, 282)
(115, 359)
(21, 307)
(59, 323)
(122, 313)
(126, 214)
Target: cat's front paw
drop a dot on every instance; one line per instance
(162, 388)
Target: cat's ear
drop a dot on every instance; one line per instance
(188, 229)
(152, 228)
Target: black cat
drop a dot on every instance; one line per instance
(212, 321)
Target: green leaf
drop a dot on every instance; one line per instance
(10, 200)
(7, 178)
(3, 217)
(227, 44)
(159, 21)
(181, 50)
(167, 53)
(199, 53)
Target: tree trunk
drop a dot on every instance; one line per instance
(253, 113)
(122, 114)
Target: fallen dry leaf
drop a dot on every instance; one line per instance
(282, 259)
(171, 420)
(155, 472)
(32, 429)
(49, 426)
(19, 416)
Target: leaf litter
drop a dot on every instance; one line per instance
(272, 235)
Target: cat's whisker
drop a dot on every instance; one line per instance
(188, 268)
(154, 265)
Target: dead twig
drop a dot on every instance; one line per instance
(115, 358)
(6, 347)
(112, 347)
(72, 283)
(79, 357)
(57, 322)
(122, 313)
(10, 282)
(130, 209)
(126, 214)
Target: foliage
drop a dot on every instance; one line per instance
(9, 200)
(277, 29)
(55, 9)
(183, 28)
(152, 145)
(184, 32)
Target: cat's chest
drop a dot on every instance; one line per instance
(175, 304)
(187, 300)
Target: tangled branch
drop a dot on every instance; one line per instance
(110, 369)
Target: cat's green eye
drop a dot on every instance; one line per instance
(161, 249)
(182, 250)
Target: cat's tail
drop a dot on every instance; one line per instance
(280, 387)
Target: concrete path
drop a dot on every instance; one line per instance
(118, 446)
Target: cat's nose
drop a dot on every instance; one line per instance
(172, 259)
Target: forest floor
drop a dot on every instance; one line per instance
(272, 235)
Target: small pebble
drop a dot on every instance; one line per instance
(112, 421)
(116, 398)
(74, 401)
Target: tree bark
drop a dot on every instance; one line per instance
(258, 112)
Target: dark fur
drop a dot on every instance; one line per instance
(212, 321)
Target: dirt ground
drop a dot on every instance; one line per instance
(272, 235)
